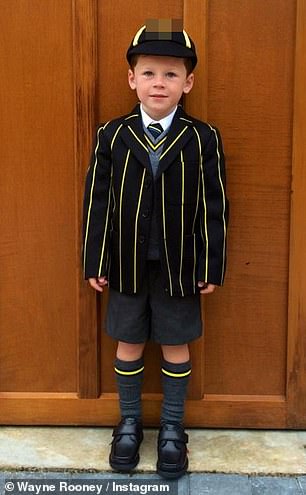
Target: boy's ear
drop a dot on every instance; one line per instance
(188, 83)
(131, 79)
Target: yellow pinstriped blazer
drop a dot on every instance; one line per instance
(191, 203)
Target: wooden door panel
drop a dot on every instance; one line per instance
(38, 278)
(250, 87)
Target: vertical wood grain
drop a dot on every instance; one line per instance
(296, 379)
(195, 104)
(37, 265)
(250, 99)
(195, 23)
(85, 80)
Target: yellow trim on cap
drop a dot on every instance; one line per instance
(187, 40)
(137, 35)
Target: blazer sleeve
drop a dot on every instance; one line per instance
(97, 208)
(213, 211)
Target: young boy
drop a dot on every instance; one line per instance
(155, 218)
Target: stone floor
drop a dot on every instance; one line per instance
(235, 462)
(210, 450)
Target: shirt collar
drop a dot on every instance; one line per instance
(165, 122)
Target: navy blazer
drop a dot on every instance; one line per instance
(191, 205)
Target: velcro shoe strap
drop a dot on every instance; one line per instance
(175, 435)
(125, 429)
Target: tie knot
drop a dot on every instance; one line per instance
(155, 129)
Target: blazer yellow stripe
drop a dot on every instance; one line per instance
(134, 372)
(105, 125)
(205, 207)
(120, 217)
(132, 116)
(114, 198)
(223, 201)
(115, 135)
(173, 142)
(136, 137)
(196, 214)
(164, 228)
(182, 221)
(198, 189)
(91, 194)
(176, 375)
(152, 145)
(135, 236)
(106, 224)
(186, 120)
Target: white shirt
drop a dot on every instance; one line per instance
(165, 122)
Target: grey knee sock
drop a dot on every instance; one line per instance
(129, 376)
(175, 378)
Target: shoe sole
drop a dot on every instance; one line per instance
(172, 474)
(124, 468)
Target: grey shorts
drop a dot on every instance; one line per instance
(153, 314)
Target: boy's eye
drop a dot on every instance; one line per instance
(171, 74)
(148, 73)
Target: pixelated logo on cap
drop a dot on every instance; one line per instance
(162, 29)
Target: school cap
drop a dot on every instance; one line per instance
(163, 37)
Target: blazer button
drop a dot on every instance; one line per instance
(148, 183)
(145, 214)
(141, 239)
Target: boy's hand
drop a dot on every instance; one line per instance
(98, 283)
(206, 288)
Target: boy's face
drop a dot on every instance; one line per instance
(159, 82)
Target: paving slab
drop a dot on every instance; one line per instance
(271, 485)
(225, 484)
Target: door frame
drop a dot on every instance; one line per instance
(232, 411)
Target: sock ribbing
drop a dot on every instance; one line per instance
(175, 379)
(129, 376)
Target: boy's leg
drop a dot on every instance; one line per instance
(128, 322)
(175, 368)
(129, 367)
(172, 439)
(128, 435)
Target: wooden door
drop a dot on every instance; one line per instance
(63, 71)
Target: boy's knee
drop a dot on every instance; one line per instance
(130, 352)
(176, 353)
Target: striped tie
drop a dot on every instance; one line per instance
(155, 129)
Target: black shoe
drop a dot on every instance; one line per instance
(128, 436)
(172, 451)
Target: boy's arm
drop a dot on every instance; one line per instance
(97, 210)
(213, 215)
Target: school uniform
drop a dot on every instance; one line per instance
(187, 195)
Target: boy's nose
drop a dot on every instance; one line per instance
(159, 82)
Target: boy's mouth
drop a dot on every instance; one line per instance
(158, 96)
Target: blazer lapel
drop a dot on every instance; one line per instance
(178, 135)
(133, 136)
